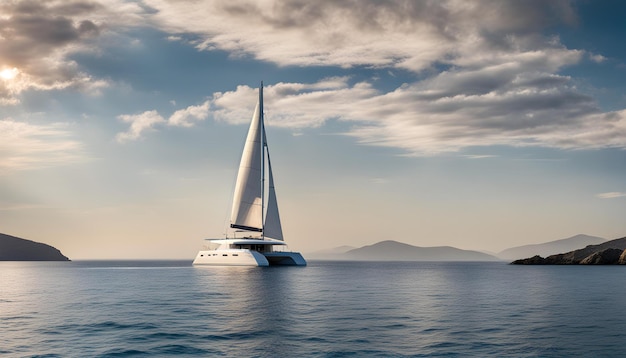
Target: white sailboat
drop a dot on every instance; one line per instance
(254, 212)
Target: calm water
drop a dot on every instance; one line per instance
(328, 309)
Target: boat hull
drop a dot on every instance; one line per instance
(244, 257)
(232, 257)
(283, 258)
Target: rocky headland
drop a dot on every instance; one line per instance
(15, 249)
(607, 253)
(550, 248)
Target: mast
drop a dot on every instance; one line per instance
(263, 146)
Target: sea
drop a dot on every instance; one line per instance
(326, 309)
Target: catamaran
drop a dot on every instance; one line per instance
(254, 213)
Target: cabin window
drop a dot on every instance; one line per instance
(224, 254)
(235, 254)
(201, 255)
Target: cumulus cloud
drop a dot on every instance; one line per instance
(151, 120)
(597, 58)
(490, 82)
(294, 105)
(37, 38)
(409, 34)
(30, 146)
(186, 117)
(500, 83)
(139, 123)
(431, 118)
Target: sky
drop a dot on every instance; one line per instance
(481, 125)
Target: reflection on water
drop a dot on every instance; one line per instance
(168, 308)
(255, 306)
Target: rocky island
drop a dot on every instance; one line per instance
(15, 249)
(607, 253)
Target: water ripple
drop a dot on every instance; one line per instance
(329, 309)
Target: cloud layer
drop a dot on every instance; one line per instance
(408, 34)
(490, 82)
(37, 39)
(27, 146)
(484, 73)
(433, 117)
(426, 119)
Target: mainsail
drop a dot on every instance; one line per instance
(248, 201)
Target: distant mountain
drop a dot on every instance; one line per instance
(550, 248)
(397, 251)
(330, 254)
(606, 253)
(15, 249)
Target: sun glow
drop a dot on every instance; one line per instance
(9, 73)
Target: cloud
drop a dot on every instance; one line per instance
(479, 83)
(32, 146)
(476, 83)
(151, 120)
(294, 105)
(37, 38)
(611, 195)
(442, 115)
(139, 123)
(186, 117)
(413, 35)
(597, 58)
(480, 156)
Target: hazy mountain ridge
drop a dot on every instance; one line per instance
(16, 249)
(335, 253)
(607, 253)
(550, 248)
(390, 250)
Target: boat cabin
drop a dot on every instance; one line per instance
(259, 248)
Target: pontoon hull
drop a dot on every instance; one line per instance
(234, 257)
(243, 257)
(280, 258)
